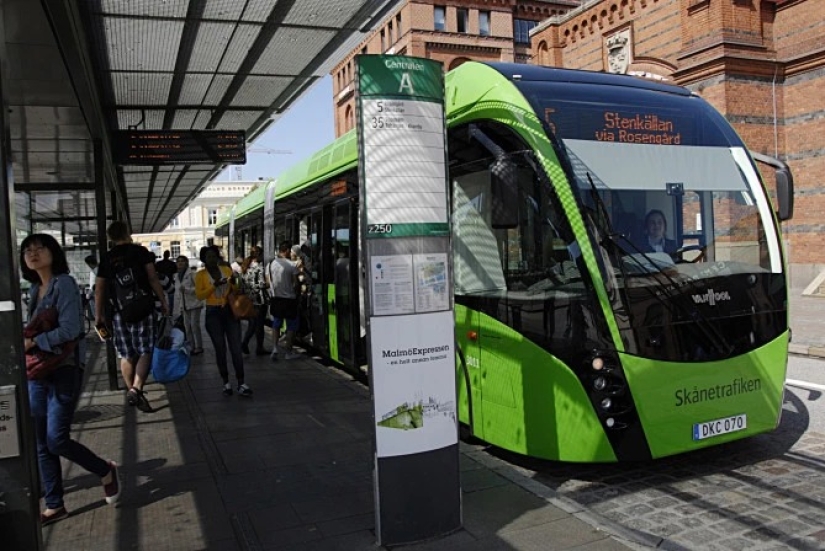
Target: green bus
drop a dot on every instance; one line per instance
(620, 284)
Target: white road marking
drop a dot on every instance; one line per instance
(805, 384)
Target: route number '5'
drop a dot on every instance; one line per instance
(378, 122)
(379, 228)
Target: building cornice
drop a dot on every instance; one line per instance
(804, 63)
(727, 63)
(462, 47)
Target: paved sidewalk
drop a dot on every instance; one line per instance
(288, 469)
(807, 321)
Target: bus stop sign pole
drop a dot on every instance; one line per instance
(405, 229)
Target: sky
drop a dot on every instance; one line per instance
(305, 128)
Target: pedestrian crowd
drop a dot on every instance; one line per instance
(128, 295)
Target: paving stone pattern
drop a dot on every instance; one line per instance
(764, 493)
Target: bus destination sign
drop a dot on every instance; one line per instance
(179, 147)
(620, 124)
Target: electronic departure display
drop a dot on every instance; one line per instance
(179, 147)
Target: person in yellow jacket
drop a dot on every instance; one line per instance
(212, 285)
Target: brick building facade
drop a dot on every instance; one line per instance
(760, 63)
(450, 31)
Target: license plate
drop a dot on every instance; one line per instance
(726, 425)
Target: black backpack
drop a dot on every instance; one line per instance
(133, 302)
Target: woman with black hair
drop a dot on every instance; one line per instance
(53, 394)
(213, 285)
(254, 284)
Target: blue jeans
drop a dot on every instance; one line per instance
(52, 401)
(223, 330)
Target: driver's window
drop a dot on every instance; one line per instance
(535, 253)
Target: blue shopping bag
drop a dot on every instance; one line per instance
(169, 366)
(170, 360)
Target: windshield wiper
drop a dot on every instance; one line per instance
(709, 330)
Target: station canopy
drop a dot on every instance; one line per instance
(163, 64)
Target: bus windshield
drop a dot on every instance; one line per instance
(665, 178)
(665, 206)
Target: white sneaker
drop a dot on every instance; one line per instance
(292, 356)
(274, 355)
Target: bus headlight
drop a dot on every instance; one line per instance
(606, 403)
(599, 383)
(610, 422)
(598, 364)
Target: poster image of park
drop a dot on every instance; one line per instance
(413, 415)
(413, 370)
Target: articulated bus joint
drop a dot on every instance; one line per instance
(466, 373)
(605, 384)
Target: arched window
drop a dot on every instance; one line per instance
(349, 122)
(544, 54)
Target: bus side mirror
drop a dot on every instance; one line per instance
(784, 194)
(784, 185)
(504, 185)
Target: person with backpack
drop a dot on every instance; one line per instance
(127, 276)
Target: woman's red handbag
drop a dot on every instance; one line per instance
(39, 363)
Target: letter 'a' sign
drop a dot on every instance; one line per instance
(409, 299)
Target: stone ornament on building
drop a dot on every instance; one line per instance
(618, 52)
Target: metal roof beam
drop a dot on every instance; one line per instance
(194, 107)
(68, 28)
(194, 14)
(187, 43)
(273, 22)
(298, 86)
(223, 21)
(171, 194)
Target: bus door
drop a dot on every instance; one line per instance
(319, 242)
(342, 306)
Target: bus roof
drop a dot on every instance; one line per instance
(339, 156)
(342, 154)
(251, 201)
(223, 220)
(519, 72)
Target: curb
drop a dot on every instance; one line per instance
(806, 350)
(625, 535)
